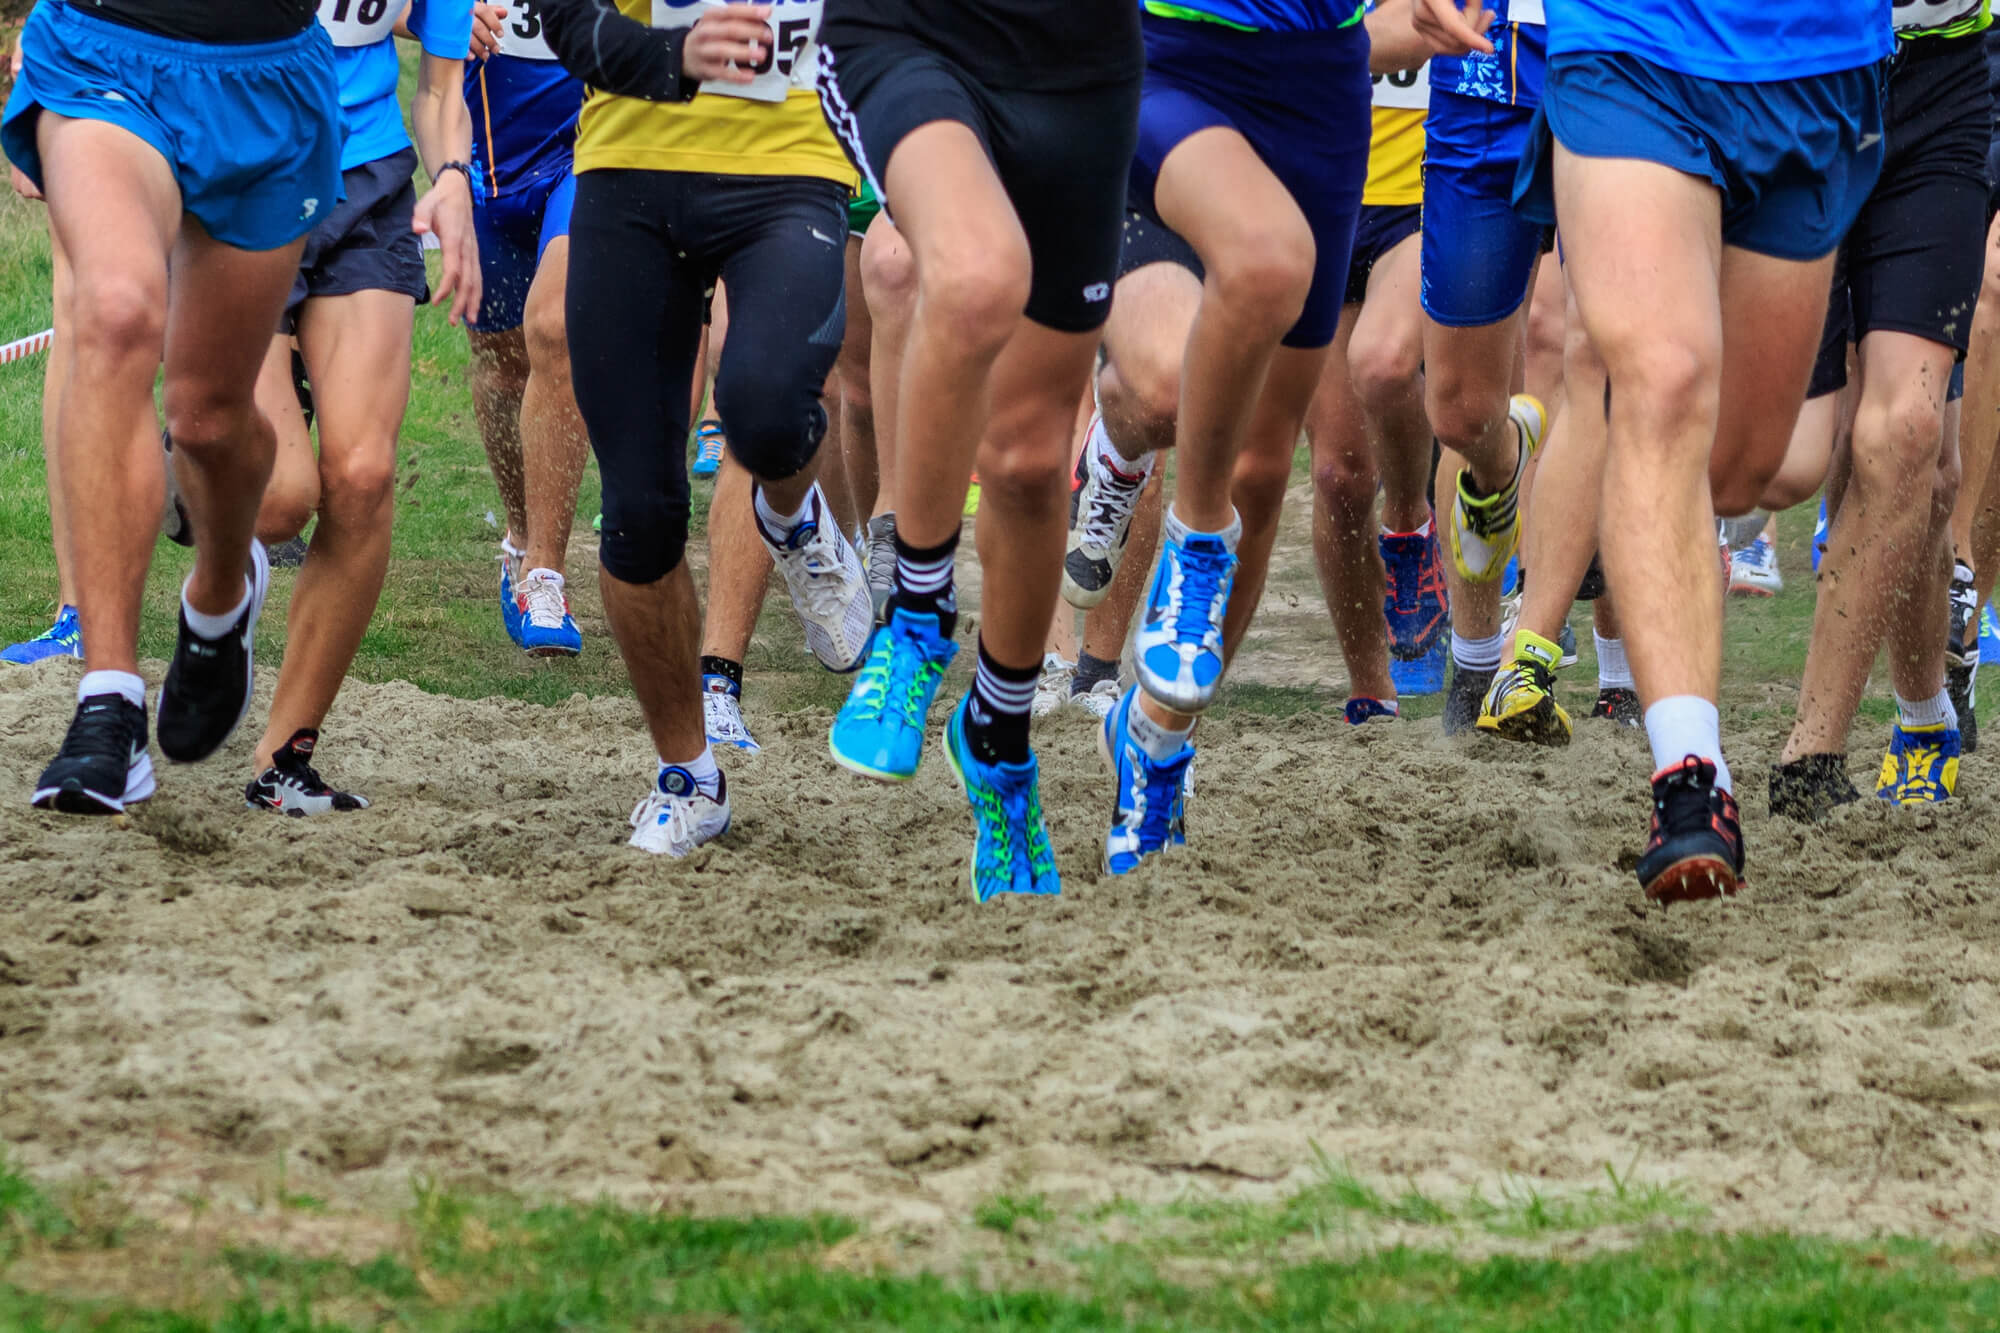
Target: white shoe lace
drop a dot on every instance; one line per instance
(1099, 699)
(546, 604)
(1112, 500)
(722, 718)
(676, 834)
(1053, 688)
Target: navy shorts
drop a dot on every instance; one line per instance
(1381, 229)
(1794, 160)
(515, 228)
(251, 132)
(364, 245)
(1148, 240)
(1478, 252)
(1302, 101)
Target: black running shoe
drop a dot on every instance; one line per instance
(1620, 704)
(1592, 586)
(1809, 788)
(209, 682)
(1961, 663)
(1962, 684)
(1463, 696)
(174, 525)
(1696, 847)
(103, 765)
(293, 786)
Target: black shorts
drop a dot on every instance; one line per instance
(1991, 42)
(1913, 260)
(1147, 240)
(1382, 228)
(1062, 156)
(365, 244)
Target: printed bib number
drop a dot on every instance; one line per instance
(521, 33)
(1405, 90)
(1528, 11)
(792, 62)
(1925, 15)
(358, 22)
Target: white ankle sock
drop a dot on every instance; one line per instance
(1179, 531)
(1131, 469)
(112, 682)
(779, 526)
(1613, 671)
(214, 627)
(1159, 741)
(1687, 724)
(1477, 654)
(1929, 712)
(703, 770)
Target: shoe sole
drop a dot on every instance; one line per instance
(1082, 598)
(1540, 725)
(1750, 590)
(553, 652)
(73, 798)
(1692, 879)
(860, 769)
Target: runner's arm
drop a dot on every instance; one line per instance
(1393, 42)
(606, 50)
(441, 124)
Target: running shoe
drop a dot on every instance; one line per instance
(828, 586)
(1921, 767)
(1010, 840)
(1101, 502)
(1052, 690)
(1695, 849)
(209, 682)
(1753, 570)
(722, 716)
(1592, 586)
(1486, 529)
(1465, 697)
(1414, 600)
(1811, 787)
(709, 444)
(1423, 676)
(1177, 647)
(1098, 700)
(547, 629)
(62, 639)
(292, 786)
(879, 731)
(1820, 526)
(510, 610)
(1566, 640)
(175, 525)
(1961, 659)
(677, 816)
(290, 554)
(1962, 684)
(1620, 704)
(878, 554)
(1361, 710)
(103, 765)
(1148, 815)
(1520, 704)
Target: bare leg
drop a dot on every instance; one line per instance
(1345, 480)
(55, 373)
(739, 566)
(499, 377)
(1981, 430)
(292, 496)
(657, 626)
(889, 281)
(856, 406)
(554, 445)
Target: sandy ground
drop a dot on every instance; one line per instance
(1428, 958)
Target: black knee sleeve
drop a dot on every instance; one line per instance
(645, 533)
(774, 430)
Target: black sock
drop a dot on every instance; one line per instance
(924, 583)
(1090, 670)
(722, 666)
(996, 725)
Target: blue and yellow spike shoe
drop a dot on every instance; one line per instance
(62, 639)
(879, 731)
(709, 442)
(1149, 814)
(1010, 840)
(1921, 767)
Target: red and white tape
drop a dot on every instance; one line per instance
(26, 347)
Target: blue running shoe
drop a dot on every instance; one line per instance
(1150, 813)
(1177, 648)
(1010, 841)
(1510, 579)
(1989, 635)
(1361, 709)
(510, 609)
(709, 443)
(879, 731)
(62, 639)
(545, 627)
(1414, 600)
(1423, 676)
(1819, 535)
(1921, 767)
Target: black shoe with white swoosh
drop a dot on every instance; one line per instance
(209, 683)
(103, 765)
(292, 786)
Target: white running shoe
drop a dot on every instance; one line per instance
(677, 816)
(1101, 503)
(722, 718)
(1753, 570)
(828, 586)
(1052, 690)
(1099, 699)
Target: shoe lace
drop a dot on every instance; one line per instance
(822, 590)
(708, 439)
(1110, 506)
(98, 732)
(897, 669)
(1204, 569)
(546, 605)
(298, 770)
(680, 821)
(725, 717)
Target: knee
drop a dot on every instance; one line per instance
(1144, 400)
(1383, 372)
(1258, 485)
(1264, 272)
(1463, 410)
(973, 295)
(644, 534)
(118, 318)
(1345, 481)
(888, 279)
(1026, 450)
(1897, 436)
(774, 430)
(546, 332)
(359, 483)
(1737, 490)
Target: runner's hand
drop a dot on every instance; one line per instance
(445, 211)
(488, 21)
(22, 185)
(1453, 27)
(726, 44)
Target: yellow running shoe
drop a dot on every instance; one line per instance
(1486, 529)
(1921, 767)
(1520, 704)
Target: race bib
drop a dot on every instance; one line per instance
(1528, 11)
(1927, 15)
(359, 22)
(792, 62)
(1404, 90)
(521, 32)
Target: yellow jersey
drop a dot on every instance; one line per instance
(1396, 148)
(770, 128)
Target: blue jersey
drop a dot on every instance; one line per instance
(1513, 73)
(524, 113)
(1731, 41)
(364, 56)
(1261, 15)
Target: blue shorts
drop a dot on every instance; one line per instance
(1794, 160)
(1300, 98)
(1381, 229)
(1478, 253)
(251, 132)
(514, 229)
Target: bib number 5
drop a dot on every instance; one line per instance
(792, 61)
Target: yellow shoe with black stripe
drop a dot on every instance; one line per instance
(1521, 705)
(1486, 529)
(1921, 767)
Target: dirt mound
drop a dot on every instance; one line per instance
(1428, 958)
